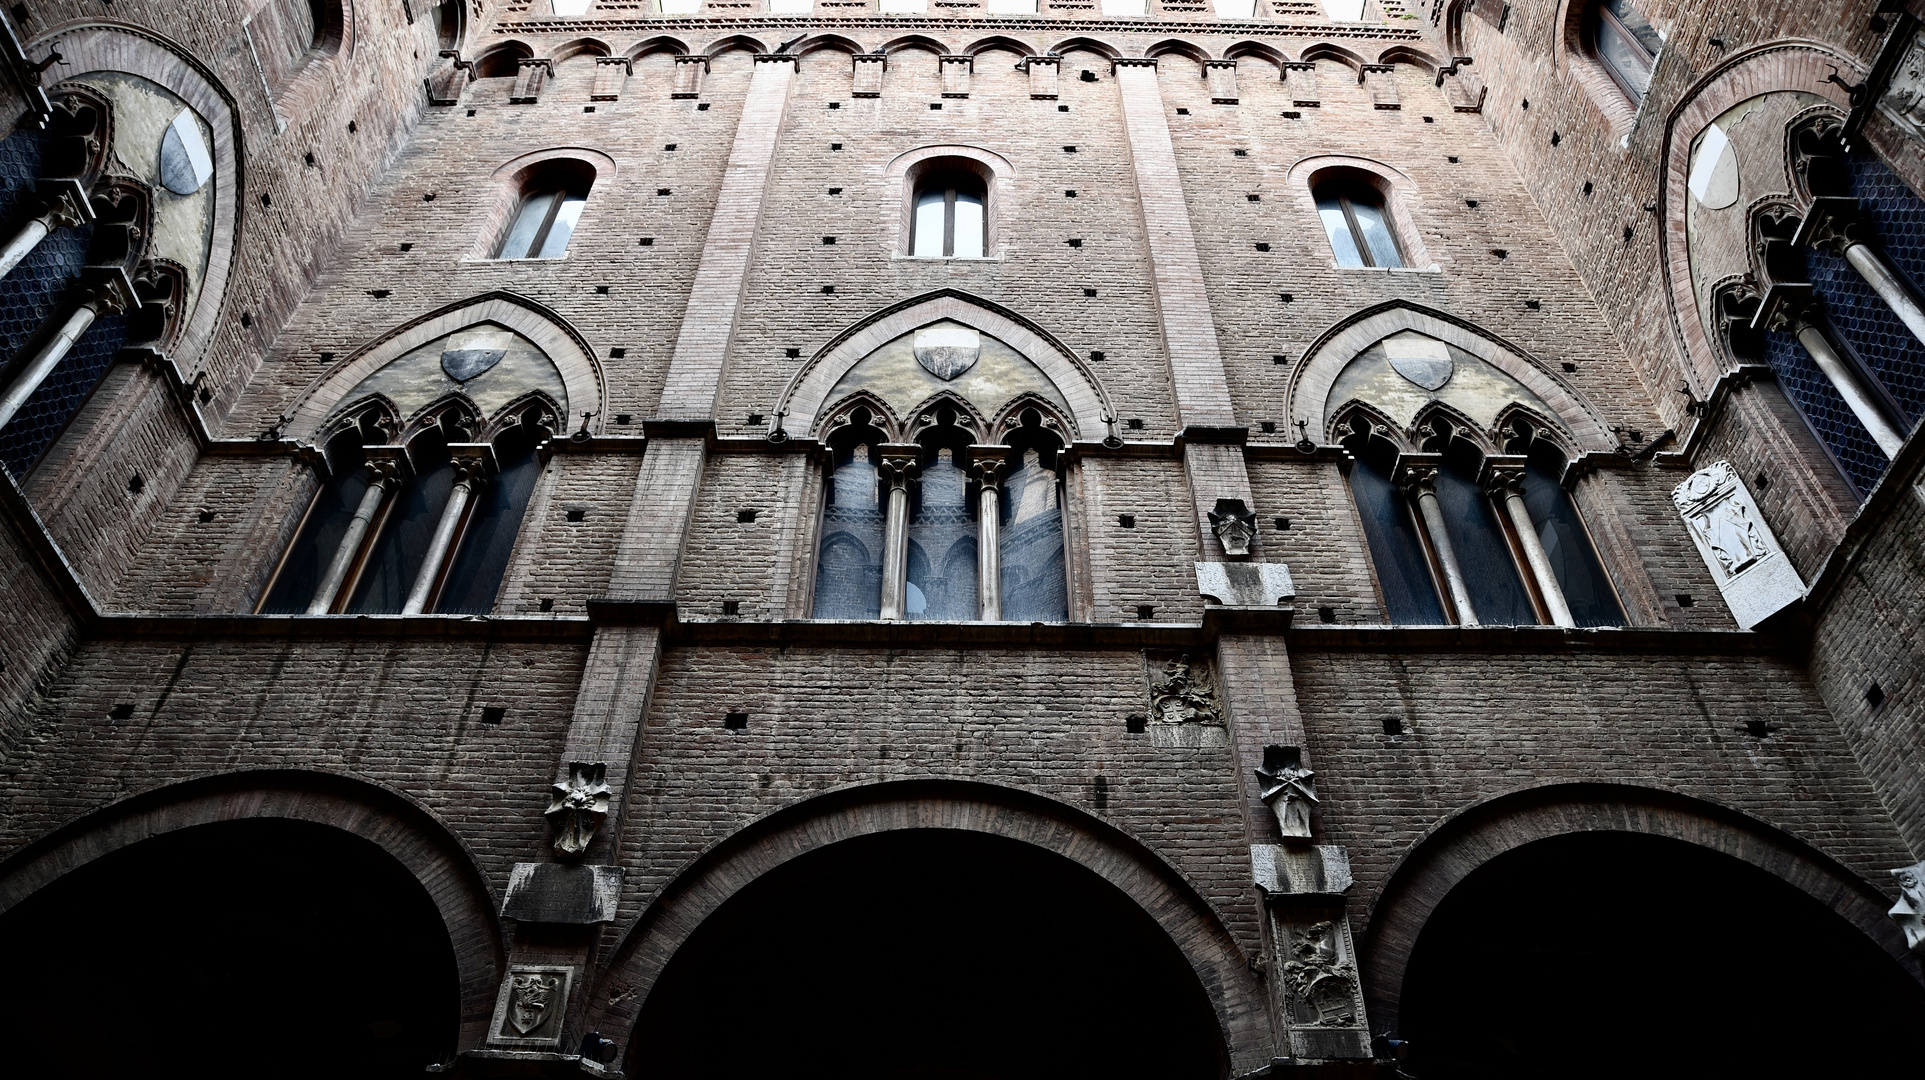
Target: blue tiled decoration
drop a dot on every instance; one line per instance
(1839, 431)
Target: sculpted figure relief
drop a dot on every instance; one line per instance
(1721, 520)
(1184, 693)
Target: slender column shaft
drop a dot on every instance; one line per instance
(1851, 389)
(1540, 561)
(989, 554)
(379, 483)
(1447, 555)
(47, 359)
(895, 554)
(467, 479)
(1886, 284)
(24, 242)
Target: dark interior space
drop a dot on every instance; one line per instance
(241, 949)
(928, 954)
(1621, 955)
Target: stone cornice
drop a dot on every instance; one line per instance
(975, 24)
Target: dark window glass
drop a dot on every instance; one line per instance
(1396, 548)
(412, 516)
(1035, 579)
(543, 225)
(475, 575)
(1497, 593)
(848, 579)
(949, 219)
(327, 520)
(1566, 545)
(1358, 225)
(942, 543)
(1627, 44)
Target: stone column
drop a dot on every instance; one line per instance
(898, 465)
(470, 473)
(63, 206)
(383, 475)
(107, 291)
(1837, 224)
(1420, 482)
(1505, 485)
(986, 466)
(1857, 395)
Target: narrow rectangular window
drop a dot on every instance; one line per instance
(1336, 225)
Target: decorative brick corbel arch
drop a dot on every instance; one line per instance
(1312, 378)
(710, 880)
(94, 47)
(801, 404)
(405, 830)
(1456, 847)
(1783, 65)
(581, 375)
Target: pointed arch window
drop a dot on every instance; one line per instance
(426, 526)
(848, 581)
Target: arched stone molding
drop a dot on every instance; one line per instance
(501, 60)
(734, 42)
(909, 42)
(1417, 58)
(1451, 850)
(1577, 63)
(586, 46)
(604, 165)
(510, 188)
(997, 172)
(407, 831)
(1259, 50)
(581, 375)
(663, 43)
(1001, 43)
(1312, 378)
(801, 402)
(899, 166)
(868, 810)
(113, 47)
(1324, 50)
(1085, 44)
(1785, 65)
(832, 42)
(1402, 200)
(1178, 47)
(334, 41)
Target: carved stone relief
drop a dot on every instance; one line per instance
(1235, 526)
(1316, 982)
(1904, 100)
(578, 806)
(1909, 912)
(1287, 790)
(531, 1009)
(1185, 708)
(1747, 564)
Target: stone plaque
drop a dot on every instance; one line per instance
(562, 893)
(1749, 567)
(532, 1006)
(1245, 584)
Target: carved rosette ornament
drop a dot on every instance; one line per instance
(578, 807)
(1286, 788)
(1235, 526)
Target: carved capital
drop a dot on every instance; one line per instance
(898, 465)
(383, 472)
(1503, 476)
(1417, 479)
(1834, 223)
(578, 806)
(988, 465)
(108, 289)
(64, 203)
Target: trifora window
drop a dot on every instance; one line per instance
(949, 217)
(1357, 221)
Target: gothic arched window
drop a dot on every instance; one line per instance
(552, 197)
(848, 580)
(1357, 221)
(1394, 536)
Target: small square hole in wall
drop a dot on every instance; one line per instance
(1089, 292)
(267, 201)
(1283, 524)
(577, 514)
(1182, 112)
(731, 607)
(703, 107)
(1074, 241)
(1145, 612)
(736, 721)
(647, 241)
(407, 247)
(661, 191)
(247, 319)
(1269, 427)
(309, 158)
(206, 516)
(835, 146)
(1393, 726)
(136, 484)
(1757, 729)
(380, 294)
(1254, 197)
(1097, 355)
(427, 196)
(1569, 368)
(1286, 298)
(601, 290)
(1240, 152)
(1291, 114)
(828, 240)
(1069, 193)
(1279, 359)
(1062, 108)
(1069, 149)
(205, 395)
(1134, 424)
(835, 191)
(1875, 696)
(1452, 159)
(545, 605)
(351, 128)
(588, 108)
(1126, 521)
(670, 147)
(1326, 614)
(756, 419)
(746, 516)
(493, 714)
(623, 419)
(1136, 723)
(1587, 187)
(828, 290)
(121, 712)
(1763, 481)
(1500, 253)
(935, 106)
(1472, 203)
(618, 352)
(1534, 305)
(1262, 245)
(327, 358)
(835, 104)
(471, 112)
(1090, 76)
(1430, 120)
(1685, 600)
(792, 353)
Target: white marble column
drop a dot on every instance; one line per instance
(470, 474)
(1857, 395)
(111, 293)
(897, 468)
(986, 466)
(64, 205)
(1421, 482)
(383, 475)
(1506, 486)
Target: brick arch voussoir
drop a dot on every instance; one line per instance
(399, 826)
(1456, 847)
(710, 880)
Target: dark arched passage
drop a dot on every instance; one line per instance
(1615, 954)
(231, 949)
(929, 953)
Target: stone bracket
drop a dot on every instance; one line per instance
(562, 894)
